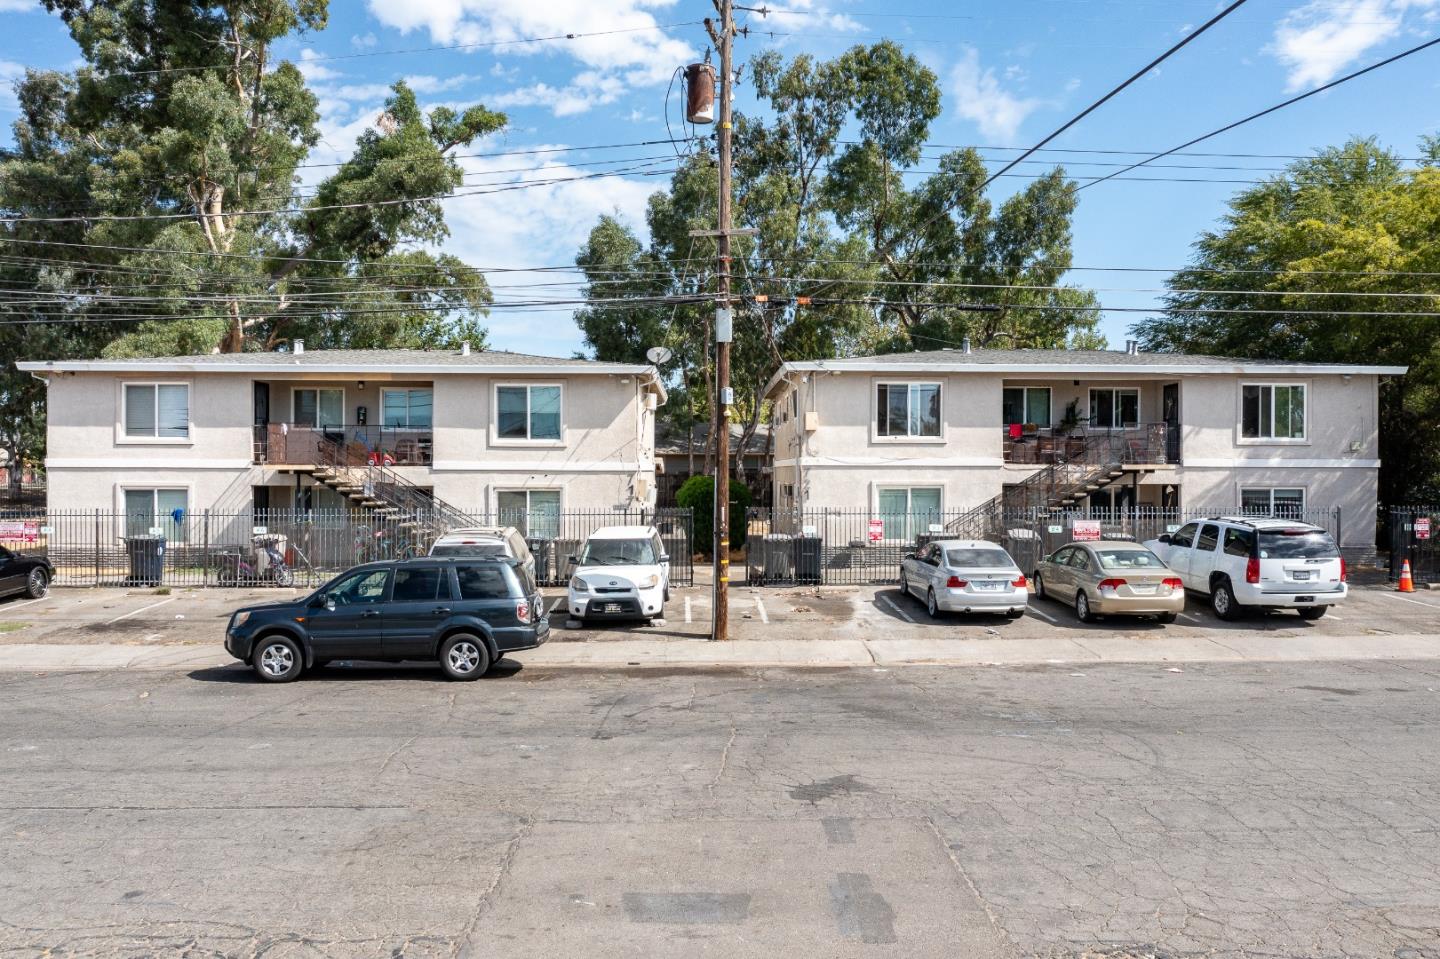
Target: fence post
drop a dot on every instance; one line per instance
(205, 552)
(97, 548)
(1338, 527)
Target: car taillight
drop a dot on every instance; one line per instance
(522, 611)
(1111, 583)
(955, 582)
(1021, 583)
(1174, 582)
(1252, 570)
(1342, 569)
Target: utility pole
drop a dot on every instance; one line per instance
(723, 38)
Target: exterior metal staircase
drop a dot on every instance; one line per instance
(361, 476)
(1061, 486)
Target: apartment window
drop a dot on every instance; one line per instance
(1281, 501)
(1272, 411)
(1027, 404)
(534, 512)
(794, 404)
(1112, 409)
(907, 512)
(408, 408)
(319, 407)
(158, 410)
(149, 508)
(907, 409)
(527, 412)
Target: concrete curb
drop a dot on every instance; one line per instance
(883, 653)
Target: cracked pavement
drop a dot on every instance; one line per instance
(1278, 810)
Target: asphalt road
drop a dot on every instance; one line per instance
(1223, 811)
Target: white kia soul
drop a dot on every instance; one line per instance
(621, 573)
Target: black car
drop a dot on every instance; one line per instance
(464, 613)
(22, 575)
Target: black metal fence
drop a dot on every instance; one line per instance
(208, 548)
(1413, 532)
(858, 547)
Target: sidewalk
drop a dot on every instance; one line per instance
(700, 654)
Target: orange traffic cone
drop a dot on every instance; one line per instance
(1407, 584)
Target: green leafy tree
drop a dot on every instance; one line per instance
(159, 182)
(821, 173)
(698, 494)
(1346, 224)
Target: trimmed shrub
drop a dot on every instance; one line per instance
(698, 494)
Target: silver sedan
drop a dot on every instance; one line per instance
(965, 576)
(1111, 577)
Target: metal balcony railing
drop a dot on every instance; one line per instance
(288, 444)
(1147, 443)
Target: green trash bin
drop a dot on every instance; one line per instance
(147, 559)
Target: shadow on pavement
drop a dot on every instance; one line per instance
(241, 674)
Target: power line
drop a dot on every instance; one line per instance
(1268, 110)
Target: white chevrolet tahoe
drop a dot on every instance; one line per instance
(1241, 562)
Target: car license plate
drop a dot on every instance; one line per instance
(992, 586)
(613, 607)
(1147, 590)
(1301, 574)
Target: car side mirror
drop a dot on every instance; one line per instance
(910, 555)
(574, 559)
(1165, 538)
(664, 558)
(328, 601)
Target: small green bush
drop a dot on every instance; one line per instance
(698, 494)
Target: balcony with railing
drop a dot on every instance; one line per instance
(290, 444)
(1154, 444)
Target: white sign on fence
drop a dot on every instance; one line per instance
(1422, 527)
(877, 530)
(259, 530)
(1172, 527)
(1055, 529)
(157, 531)
(1085, 530)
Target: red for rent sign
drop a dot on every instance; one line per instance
(1085, 530)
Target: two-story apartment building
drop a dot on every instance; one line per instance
(483, 431)
(950, 430)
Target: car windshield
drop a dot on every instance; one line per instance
(978, 559)
(485, 550)
(1297, 544)
(618, 552)
(1128, 559)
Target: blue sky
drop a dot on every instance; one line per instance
(1010, 73)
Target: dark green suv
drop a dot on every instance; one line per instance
(464, 613)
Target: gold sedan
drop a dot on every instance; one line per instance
(1103, 579)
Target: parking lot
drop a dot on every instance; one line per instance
(198, 616)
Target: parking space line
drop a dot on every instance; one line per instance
(30, 602)
(1032, 608)
(1406, 599)
(687, 609)
(137, 612)
(760, 608)
(900, 612)
(1190, 618)
(556, 604)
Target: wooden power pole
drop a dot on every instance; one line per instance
(723, 37)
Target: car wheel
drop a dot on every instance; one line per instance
(904, 584)
(1222, 601)
(1312, 612)
(1014, 613)
(38, 584)
(277, 659)
(464, 656)
(1040, 587)
(931, 606)
(284, 576)
(1082, 607)
(1165, 619)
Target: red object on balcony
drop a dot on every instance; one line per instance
(1016, 429)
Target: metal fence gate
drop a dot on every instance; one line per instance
(208, 548)
(858, 547)
(1412, 536)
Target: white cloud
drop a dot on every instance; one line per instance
(313, 70)
(20, 6)
(976, 95)
(641, 55)
(10, 71)
(810, 15)
(1317, 41)
(535, 226)
(363, 42)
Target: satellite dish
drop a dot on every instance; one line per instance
(658, 354)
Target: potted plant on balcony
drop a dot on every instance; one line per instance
(1070, 419)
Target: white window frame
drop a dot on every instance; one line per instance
(294, 409)
(122, 518)
(1270, 492)
(124, 438)
(527, 490)
(877, 437)
(497, 440)
(1115, 406)
(407, 390)
(1025, 402)
(1272, 440)
(910, 513)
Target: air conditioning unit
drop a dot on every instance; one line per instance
(651, 401)
(812, 421)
